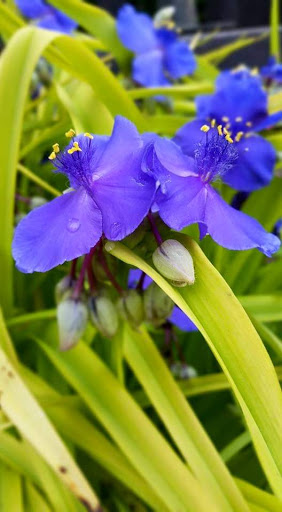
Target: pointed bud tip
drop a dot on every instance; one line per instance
(175, 263)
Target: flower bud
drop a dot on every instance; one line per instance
(36, 201)
(131, 307)
(175, 263)
(158, 306)
(72, 318)
(183, 371)
(64, 287)
(103, 315)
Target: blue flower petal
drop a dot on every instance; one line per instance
(136, 30)
(268, 122)
(59, 231)
(123, 192)
(182, 321)
(32, 8)
(179, 60)
(188, 136)
(254, 166)
(188, 201)
(134, 277)
(148, 69)
(54, 20)
(172, 158)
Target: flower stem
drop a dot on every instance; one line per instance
(107, 270)
(80, 282)
(155, 229)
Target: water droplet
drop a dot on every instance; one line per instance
(95, 177)
(73, 225)
(115, 230)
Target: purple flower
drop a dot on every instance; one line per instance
(110, 195)
(272, 72)
(177, 317)
(185, 195)
(160, 56)
(240, 104)
(46, 16)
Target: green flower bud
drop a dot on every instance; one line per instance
(183, 371)
(131, 307)
(175, 263)
(63, 288)
(36, 201)
(72, 315)
(103, 315)
(158, 306)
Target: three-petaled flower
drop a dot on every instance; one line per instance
(160, 56)
(110, 195)
(185, 194)
(46, 16)
(240, 105)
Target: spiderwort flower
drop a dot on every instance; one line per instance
(110, 194)
(272, 71)
(240, 105)
(46, 16)
(186, 196)
(159, 54)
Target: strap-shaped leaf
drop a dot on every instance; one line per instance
(239, 350)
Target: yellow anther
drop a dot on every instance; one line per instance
(213, 122)
(52, 156)
(249, 123)
(70, 133)
(56, 148)
(219, 129)
(74, 148)
(228, 138)
(225, 131)
(225, 119)
(255, 72)
(238, 119)
(239, 136)
(88, 135)
(205, 128)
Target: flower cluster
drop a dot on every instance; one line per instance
(115, 181)
(46, 16)
(160, 55)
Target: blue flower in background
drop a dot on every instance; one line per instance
(272, 72)
(185, 195)
(160, 56)
(240, 104)
(110, 195)
(177, 317)
(46, 16)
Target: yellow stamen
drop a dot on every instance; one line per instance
(255, 72)
(219, 129)
(88, 135)
(249, 123)
(74, 148)
(70, 133)
(205, 128)
(228, 138)
(52, 156)
(225, 119)
(239, 136)
(238, 119)
(225, 131)
(56, 148)
(213, 123)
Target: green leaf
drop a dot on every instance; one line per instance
(11, 498)
(16, 67)
(176, 91)
(126, 423)
(97, 22)
(266, 308)
(212, 306)
(274, 29)
(180, 420)
(22, 409)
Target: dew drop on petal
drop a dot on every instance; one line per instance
(73, 225)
